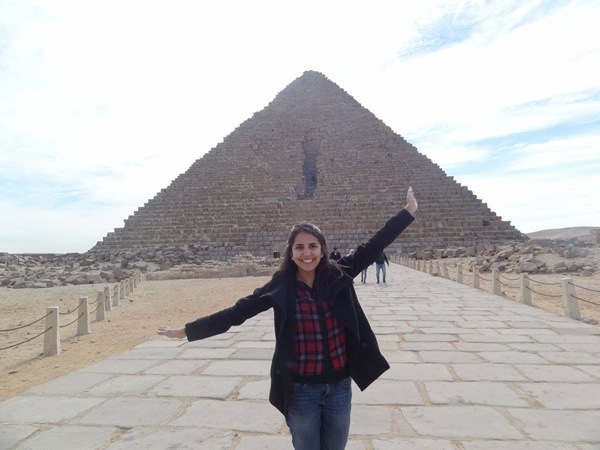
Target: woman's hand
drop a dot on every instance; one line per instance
(411, 201)
(176, 333)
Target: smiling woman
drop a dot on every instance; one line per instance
(323, 338)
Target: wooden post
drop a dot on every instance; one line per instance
(100, 310)
(569, 303)
(525, 292)
(497, 289)
(476, 278)
(459, 273)
(445, 271)
(52, 336)
(83, 323)
(121, 290)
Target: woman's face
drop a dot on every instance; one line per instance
(306, 252)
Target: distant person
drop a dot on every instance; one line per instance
(363, 275)
(335, 255)
(380, 263)
(323, 339)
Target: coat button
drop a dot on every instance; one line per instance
(278, 372)
(364, 345)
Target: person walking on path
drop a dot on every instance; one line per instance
(380, 263)
(323, 339)
(363, 275)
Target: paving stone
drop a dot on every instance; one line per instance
(125, 385)
(370, 420)
(259, 417)
(553, 373)
(512, 357)
(552, 425)
(162, 342)
(239, 367)
(253, 353)
(265, 443)
(132, 412)
(10, 435)
(487, 372)
(419, 372)
(73, 384)
(473, 393)
(592, 370)
(76, 437)
(120, 366)
(255, 344)
(196, 386)
(497, 338)
(480, 347)
(460, 422)
(385, 392)
(177, 367)
(448, 357)
(533, 347)
(570, 357)
(564, 396)
(207, 353)
(195, 438)
(255, 390)
(401, 357)
(430, 338)
(517, 445)
(39, 409)
(150, 353)
(421, 346)
(412, 444)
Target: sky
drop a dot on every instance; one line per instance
(104, 102)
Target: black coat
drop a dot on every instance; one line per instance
(365, 361)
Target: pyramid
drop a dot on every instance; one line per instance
(313, 153)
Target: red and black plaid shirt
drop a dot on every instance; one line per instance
(319, 339)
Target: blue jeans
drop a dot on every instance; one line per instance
(319, 415)
(363, 275)
(379, 267)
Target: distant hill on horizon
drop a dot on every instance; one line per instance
(562, 233)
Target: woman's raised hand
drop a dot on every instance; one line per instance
(176, 333)
(411, 201)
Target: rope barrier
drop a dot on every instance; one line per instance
(583, 287)
(69, 311)
(507, 285)
(508, 278)
(546, 284)
(96, 308)
(24, 326)
(485, 279)
(30, 339)
(584, 300)
(76, 319)
(547, 295)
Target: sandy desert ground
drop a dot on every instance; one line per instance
(172, 303)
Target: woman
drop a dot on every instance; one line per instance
(323, 339)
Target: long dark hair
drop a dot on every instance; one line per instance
(326, 265)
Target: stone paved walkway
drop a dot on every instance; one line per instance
(470, 371)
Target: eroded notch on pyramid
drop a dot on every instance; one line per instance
(311, 146)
